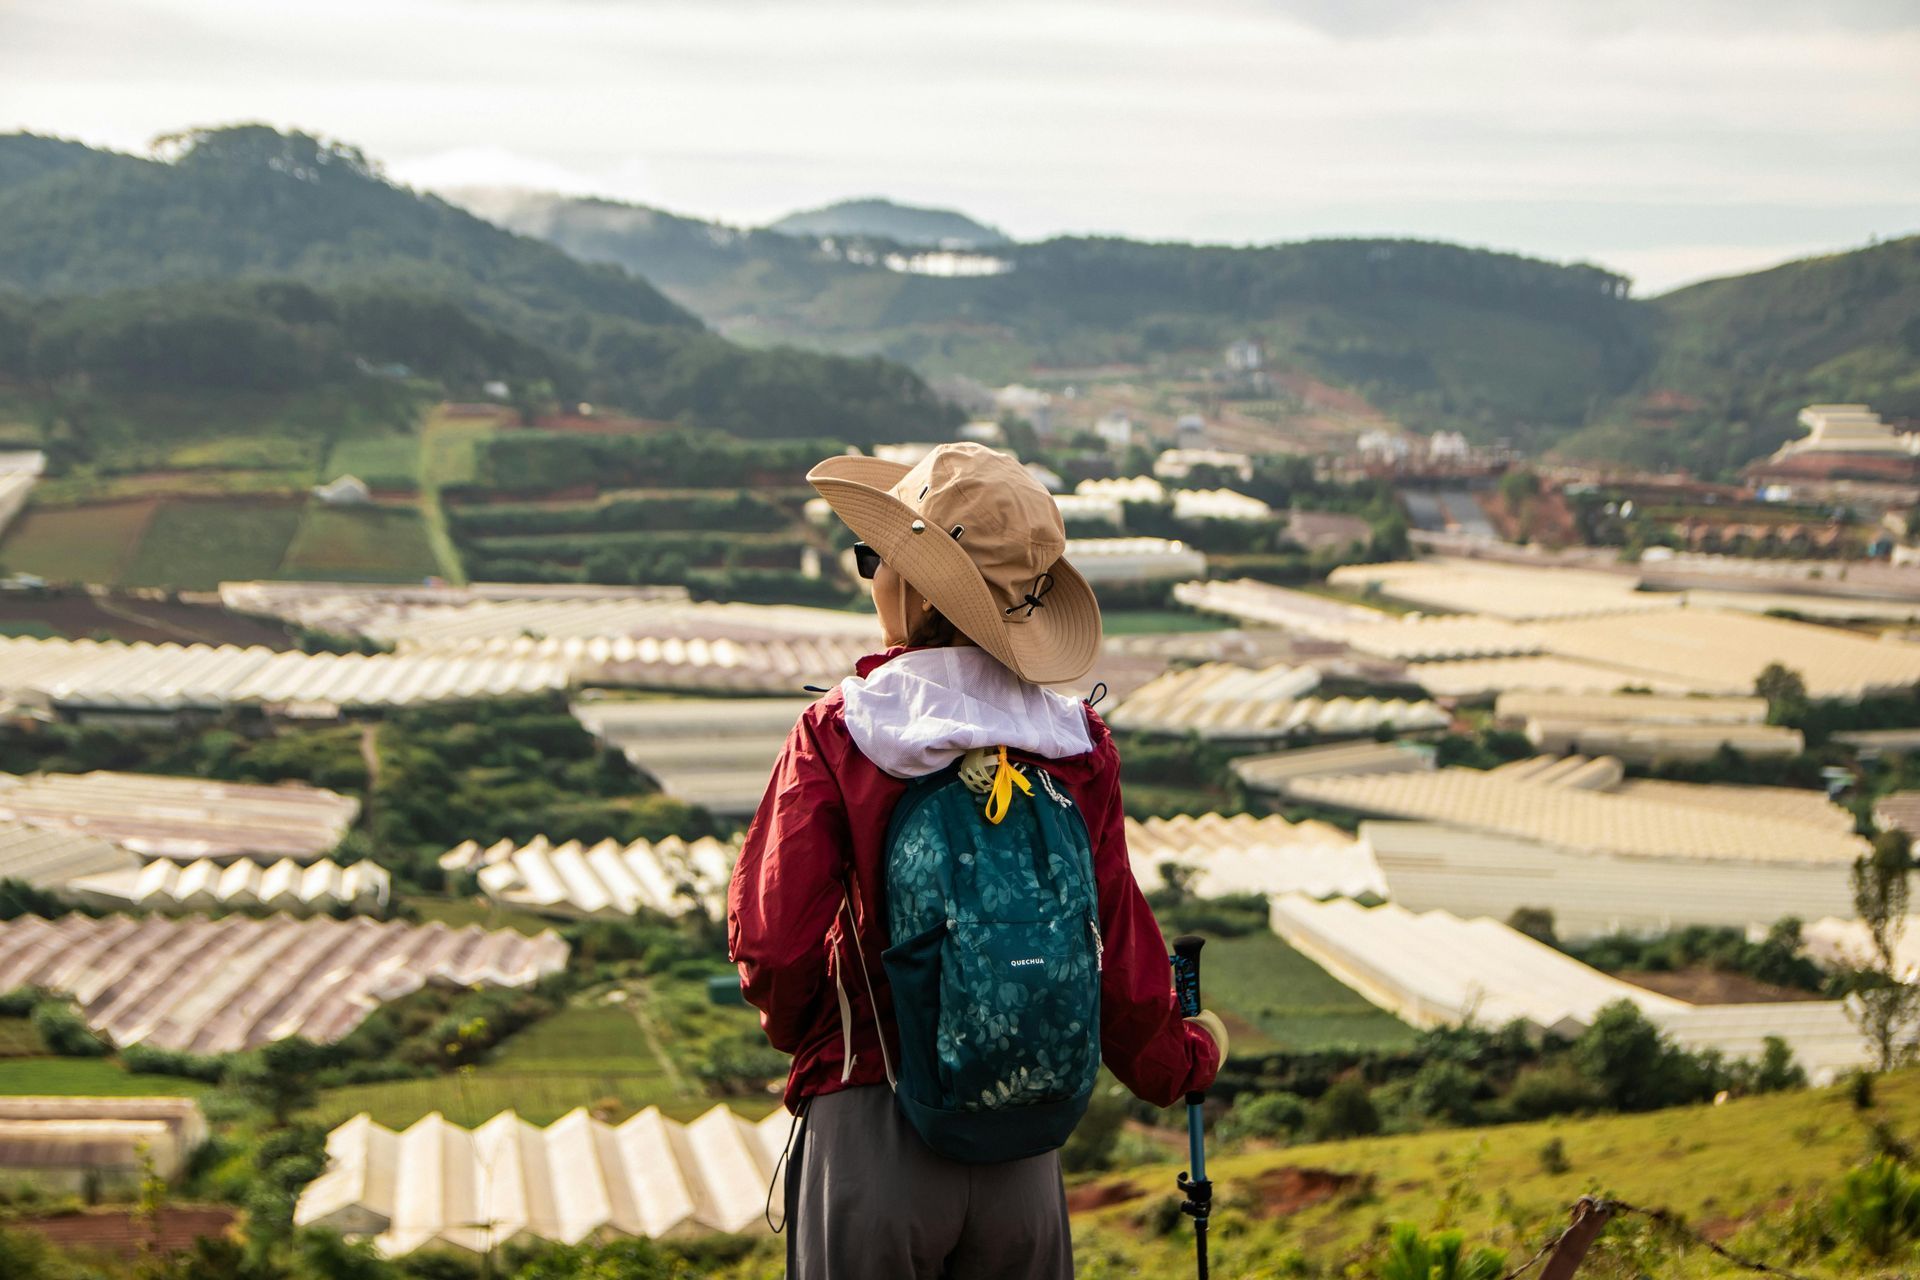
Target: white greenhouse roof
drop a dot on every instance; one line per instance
(1478, 677)
(1429, 865)
(714, 752)
(1103, 560)
(1517, 593)
(437, 1184)
(1841, 940)
(1245, 854)
(1275, 771)
(218, 986)
(1724, 652)
(206, 885)
(1249, 600)
(1424, 639)
(1667, 820)
(49, 858)
(1522, 705)
(162, 816)
(1437, 969)
(1218, 504)
(15, 486)
(605, 879)
(110, 675)
(1223, 700)
(118, 1135)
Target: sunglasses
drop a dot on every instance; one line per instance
(866, 561)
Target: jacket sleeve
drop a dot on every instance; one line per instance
(786, 891)
(1145, 1041)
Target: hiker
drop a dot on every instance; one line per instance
(934, 897)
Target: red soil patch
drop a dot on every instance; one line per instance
(117, 1233)
(1710, 986)
(1290, 1189)
(1099, 1195)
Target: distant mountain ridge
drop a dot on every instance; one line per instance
(1552, 356)
(252, 204)
(882, 219)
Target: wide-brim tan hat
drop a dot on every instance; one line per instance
(982, 540)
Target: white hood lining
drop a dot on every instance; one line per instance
(923, 710)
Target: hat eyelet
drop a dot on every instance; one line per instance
(918, 526)
(958, 530)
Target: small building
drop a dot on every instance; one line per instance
(1327, 530)
(81, 1145)
(1116, 429)
(1244, 356)
(344, 491)
(1178, 464)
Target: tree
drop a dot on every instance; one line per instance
(1786, 693)
(1439, 1257)
(1888, 1006)
(280, 1077)
(1345, 1110)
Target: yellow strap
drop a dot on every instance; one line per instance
(1005, 779)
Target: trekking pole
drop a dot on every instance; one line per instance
(1193, 1183)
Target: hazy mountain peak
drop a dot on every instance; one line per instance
(904, 224)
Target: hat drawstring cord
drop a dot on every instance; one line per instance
(1032, 599)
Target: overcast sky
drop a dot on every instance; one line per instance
(1670, 140)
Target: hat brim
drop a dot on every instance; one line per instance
(1056, 642)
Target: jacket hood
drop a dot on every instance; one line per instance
(916, 712)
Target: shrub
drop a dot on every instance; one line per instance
(1263, 1115)
(1877, 1207)
(1635, 1067)
(65, 1032)
(1553, 1156)
(1860, 1090)
(146, 1060)
(1344, 1111)
(1446, 1091)
(1440, 1257)
(1552, 1090)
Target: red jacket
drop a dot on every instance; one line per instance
(826, 807)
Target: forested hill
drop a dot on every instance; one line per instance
(1442, 336)
(905, 224)
(250, 203)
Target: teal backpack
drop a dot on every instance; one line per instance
(994, 958)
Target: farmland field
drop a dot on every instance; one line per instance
(359, 544)
(1276, 999)
(78, 544)
(591, 1054)
(200, 544)
(384, 462)
(96, 1077)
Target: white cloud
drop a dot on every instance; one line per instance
(1243, 120)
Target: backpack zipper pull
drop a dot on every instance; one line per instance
(1099, 947)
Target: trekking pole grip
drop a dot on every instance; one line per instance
(1186, 981)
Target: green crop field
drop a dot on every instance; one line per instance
(1132, 622)
(76, 544)
(201, 544)
(1275, 999)
(1730, 1169)
(360, 544)
(384, 462)
(87, 1077)
(18, 1039)
(593, 1054)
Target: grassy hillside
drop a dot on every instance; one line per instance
(1739, 357)
(249, 203)
(1737, 1171)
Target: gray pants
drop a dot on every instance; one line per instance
(873, 1203)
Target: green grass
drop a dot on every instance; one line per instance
(592, 1054)
(1278, 1000)
(1732, 1167)
(77, 544)
(360, 544)
(458, 913)
(18, 1039)
(201, 544)
(1132, 622)
(449, 455)
(87, 1077)
(384, 462)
